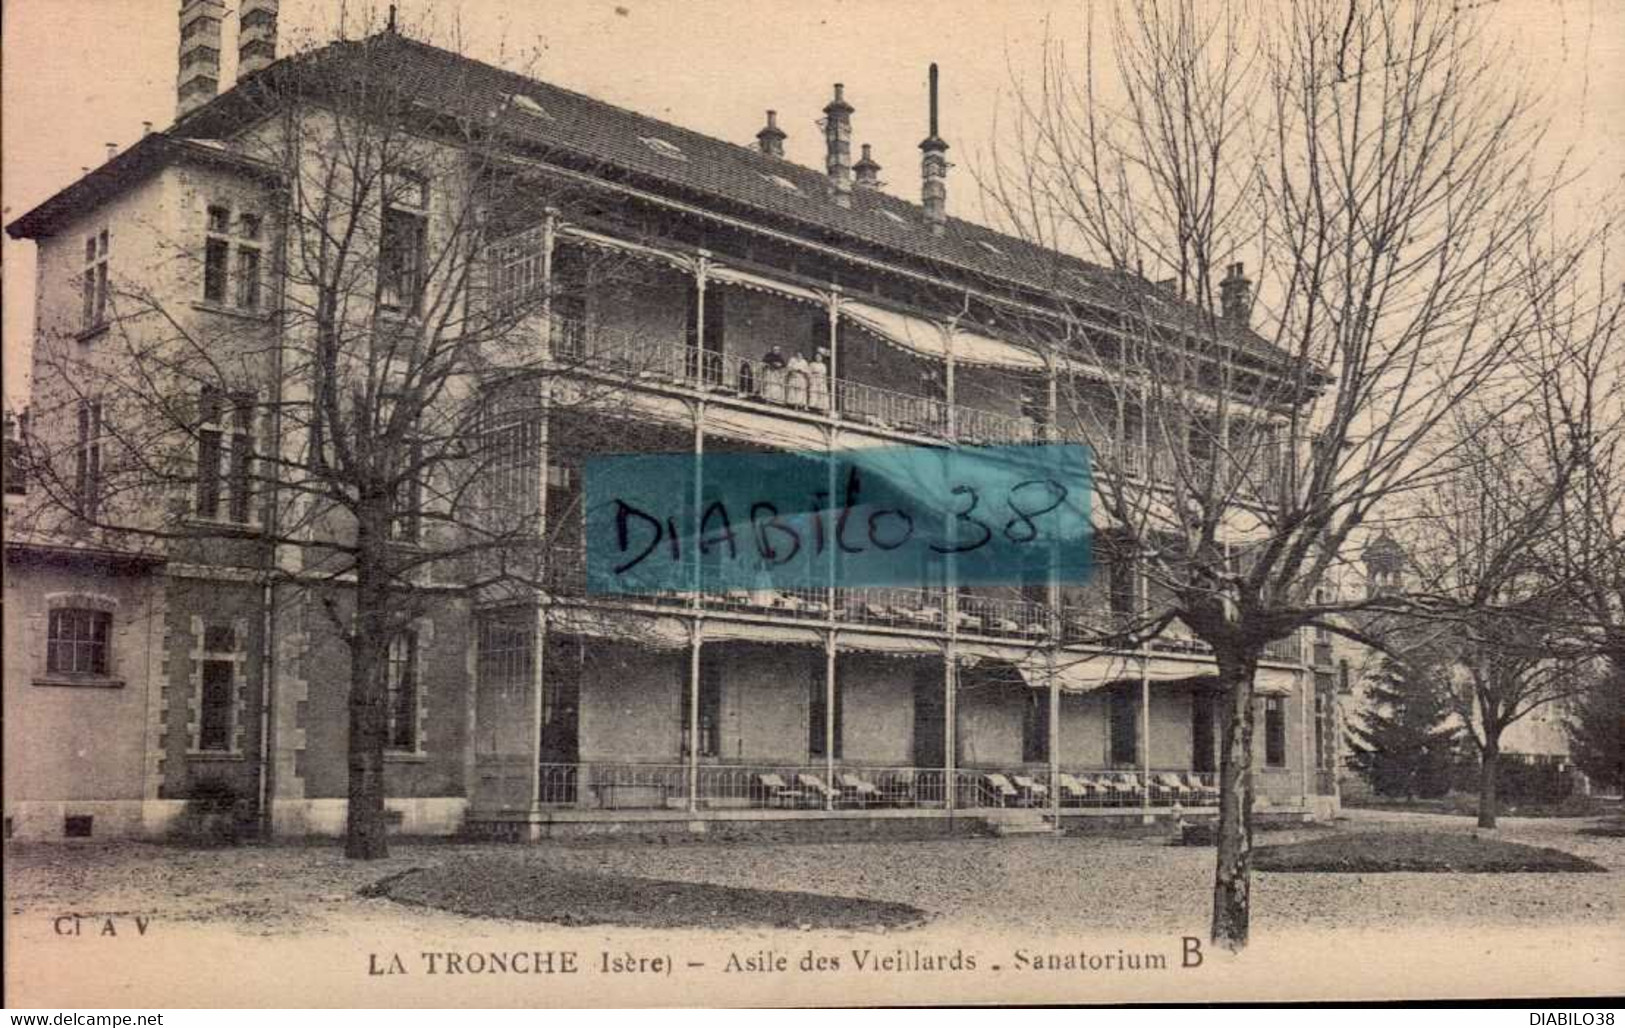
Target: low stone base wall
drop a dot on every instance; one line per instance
(433, 815)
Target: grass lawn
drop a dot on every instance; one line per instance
(524, 890)
(1374, 852)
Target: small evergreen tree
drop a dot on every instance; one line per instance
(1597, 732)
(1405, 745)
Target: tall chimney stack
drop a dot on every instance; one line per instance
(256, 36)
(934, 170)
(1236, 295)
(198, 78)
(867, 170)
(771, 139)
(838, 146)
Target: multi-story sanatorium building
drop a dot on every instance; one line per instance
(140, 678)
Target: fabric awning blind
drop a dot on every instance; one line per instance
(975, 348)
(876, 642)
(1270, 681)
(916, 334)
(750, 426)
(631, 249)
(745, 631)
(762, 284)
(656, 632)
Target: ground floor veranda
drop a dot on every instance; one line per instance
(630, 717)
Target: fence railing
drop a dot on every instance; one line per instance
(611, 785)
(990, 615)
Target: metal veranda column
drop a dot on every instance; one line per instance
(829, 719)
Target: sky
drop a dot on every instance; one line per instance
(78, 74)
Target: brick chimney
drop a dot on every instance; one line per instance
(771, 139)
(934, 170)
(1236, 295)
(838, 146)
(256, 36)
(867, 171)
(198, 78)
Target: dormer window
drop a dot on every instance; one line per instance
(521, 102)
(663, 148)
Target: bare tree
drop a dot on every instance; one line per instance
(1370, 164)
(346, 391)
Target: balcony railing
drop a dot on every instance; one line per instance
(611, 785)
(926, 609)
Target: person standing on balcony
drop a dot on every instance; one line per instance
(818, 381)
(797, 381)
(773, 371)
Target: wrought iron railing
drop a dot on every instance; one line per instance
(665, 785)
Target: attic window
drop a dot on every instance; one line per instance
(663, 148)
(782, 183)
(989, 247)
(524, 103)
(893, 215)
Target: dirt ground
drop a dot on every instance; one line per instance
(141, 924)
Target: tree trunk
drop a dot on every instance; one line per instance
(365, 836)
(1489, 780)
(1232, 877)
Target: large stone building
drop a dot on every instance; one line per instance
(774, 308)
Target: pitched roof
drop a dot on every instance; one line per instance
(146, 157)
(568, 123)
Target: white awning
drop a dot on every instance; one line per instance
(976, 348)
(746, 280)
(1269, 681)
(657, 632)
(631, 249)
(750, 426)
(876, 642)
(924, 337)
(746, 631)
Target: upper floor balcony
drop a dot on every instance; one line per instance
(974, 614)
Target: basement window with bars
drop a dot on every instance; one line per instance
(225, 455)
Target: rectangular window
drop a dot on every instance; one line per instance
(406, 522)
(402, 237)
(76, 641)
(225, 454)
(88, 459)
(215, 253)
(1035, 727)
(1274, 731)
(401, 698)
(248, 278)
(95, 281)
(817, 714)
(216, 705)
(1125, 728)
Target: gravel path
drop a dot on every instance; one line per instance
(1043, 885)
